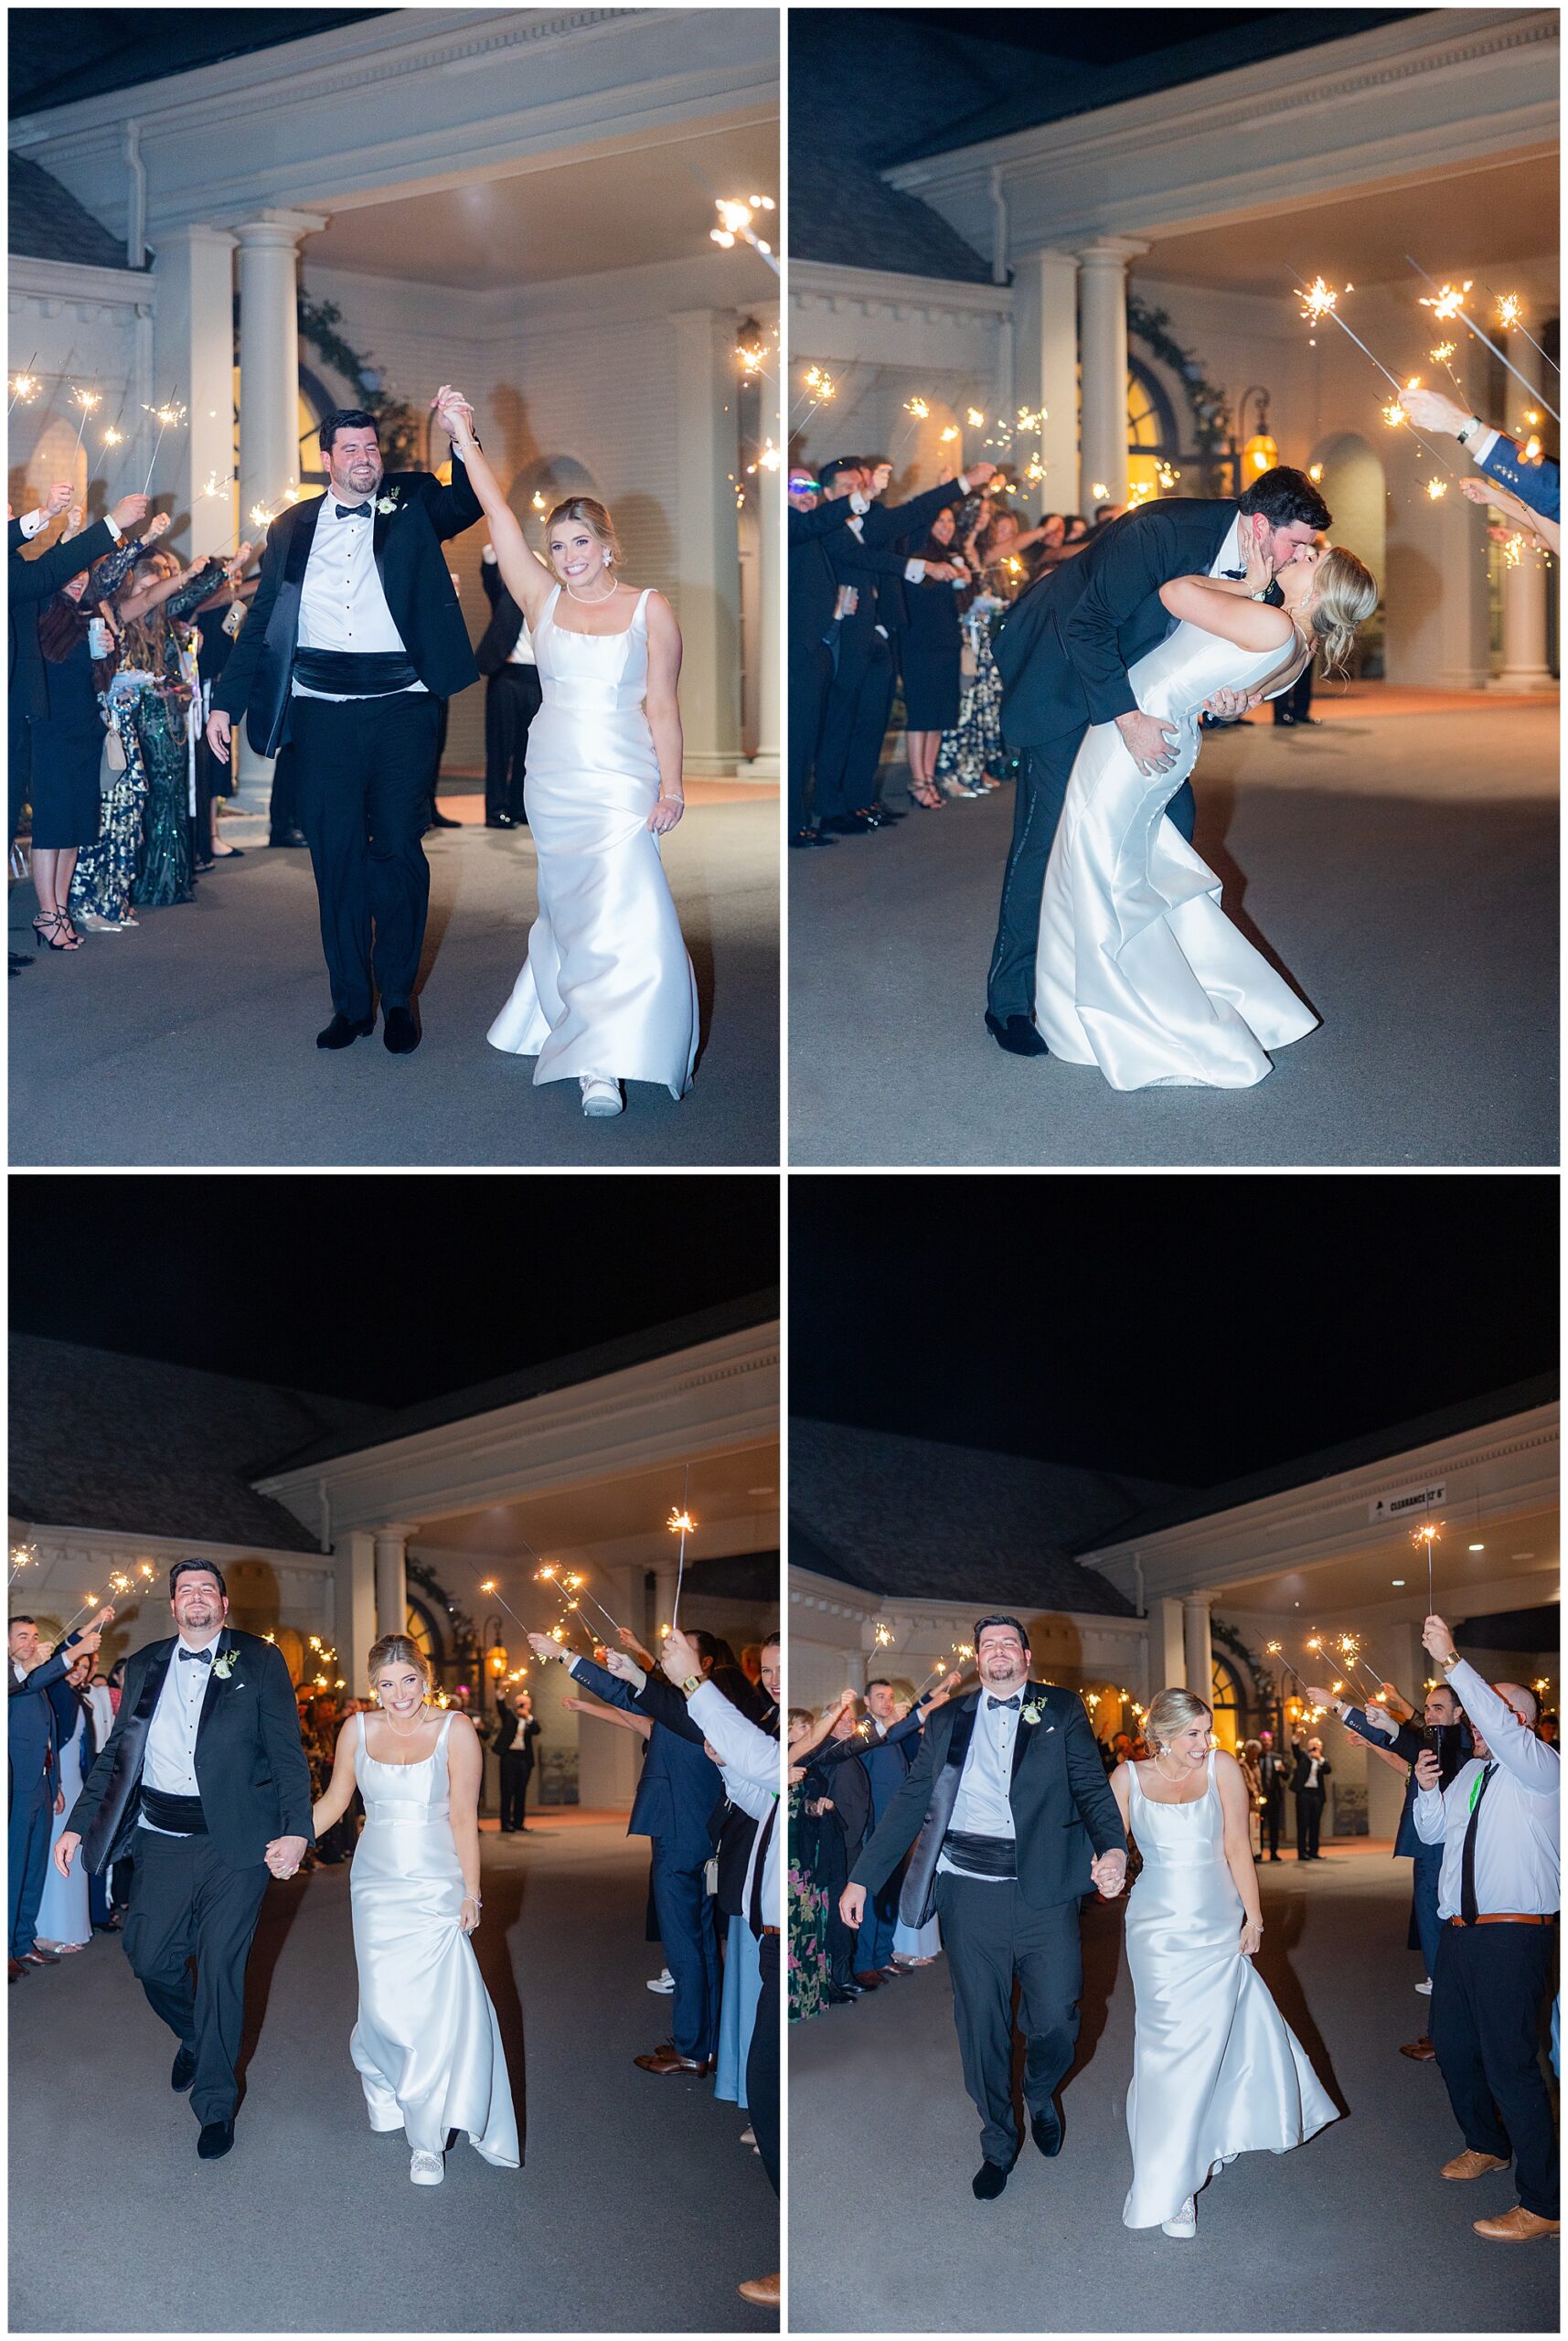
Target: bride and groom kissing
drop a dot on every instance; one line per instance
(1002, 1807)
(1112, 948)
(202, 1782)
(353, 640)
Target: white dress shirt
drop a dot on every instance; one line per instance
(750, 1761)
(1517, 1857)
(168, 1763)
(343, 604)
(983, 1807)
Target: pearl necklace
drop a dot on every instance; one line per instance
(418, 1722)
(587, 600)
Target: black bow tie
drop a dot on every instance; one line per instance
(362, 512)
(1224, 573)
(1012, 1702)
(201, 1657)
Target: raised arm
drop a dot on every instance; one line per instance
(526, 576)
(1225, 608)
(900, 1824)
(639, 1724)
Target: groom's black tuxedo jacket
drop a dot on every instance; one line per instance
(414, 578)
(250, 1766)
(1064, 647)
(1060, 1801)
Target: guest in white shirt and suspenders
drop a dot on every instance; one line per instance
(1497, 1898)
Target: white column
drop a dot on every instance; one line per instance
(1524, 667)
(1102, 345)
(1046, 360)
(192, 360)
(769, 489)
(354, 1614)
(392, 1581)
(269, 353)
(1199, 1647)
(1167, 1649)
(707, 549)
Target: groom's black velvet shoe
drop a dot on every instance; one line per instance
(184, 2071)
(400, 1032)
(215, 2141)
(344, 1030)
(989, 2180)
(1045, 2128)
(1016, 1034)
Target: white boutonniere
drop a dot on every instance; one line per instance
(388, 503)
(224, 1667)
(1033, 1712)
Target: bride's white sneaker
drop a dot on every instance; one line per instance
(1185, 2221)
(601, 1096)
(426, 2170)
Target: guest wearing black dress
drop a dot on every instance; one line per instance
(930, 648)
(513, 696)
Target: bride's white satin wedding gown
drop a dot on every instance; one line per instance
(1139, 970)
(607, 987)
(1217, 2071)
(427, 2044)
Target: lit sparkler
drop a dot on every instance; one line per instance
(884, 1635)
(1428, 1535)
(170, 415)
(23, 1556)
(1320, 303)
(735, 219)
(87, 401)
(24, 385)
(1510, 317)
(976, 421)
(681, 1524)
(1436, 488)
(919, 408)
(114, 436)
(1450, 303)
(1276, 1649)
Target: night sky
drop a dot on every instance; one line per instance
(1187, 1329)
(387, 1289)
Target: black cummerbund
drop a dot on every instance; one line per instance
(981, 1856)
(355, 674)
(181, 1813)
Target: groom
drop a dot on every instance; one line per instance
(1063, 651)
(352, 642)
(1005, 1797)
(203, 1780)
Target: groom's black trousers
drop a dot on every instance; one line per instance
(991, 1935)
(1487, 1994)
(186, 1903)
(364, 777)
(1041, 790)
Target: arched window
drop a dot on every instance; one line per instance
(1225, 1697)
(1152, 436)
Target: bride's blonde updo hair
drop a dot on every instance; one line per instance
(1344, 595)
(1171, 1712)
(397, 1650)
(594, 518)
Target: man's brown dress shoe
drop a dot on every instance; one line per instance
(1517, 2226)
(870, 1979)
(666, 2058)
(37, 1958)
(1470, 2165)
(763, 2291)
(1420, 2049)
(14, 1967)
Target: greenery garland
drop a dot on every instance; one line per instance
(1211, 407)
(397, 424)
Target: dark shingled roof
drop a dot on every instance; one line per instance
(46, 222)
(98, 1441)
(918, 1519)
(844, 128)
(1398, 1438)
(558, 1374)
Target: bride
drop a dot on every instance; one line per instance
(1139, 970)
(607, 993)
(1217, 2071)
(427, 2044)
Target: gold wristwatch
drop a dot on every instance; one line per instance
(692, 1683)
(1451, 1661)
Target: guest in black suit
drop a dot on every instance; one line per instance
(205, 1770)
(513, 696)
(515, 1732)
(1006, 1799)
(33, 1777)
(1063, 651)
(1311, 1788)
(353, 638)
(813, 639)
(874, 572)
